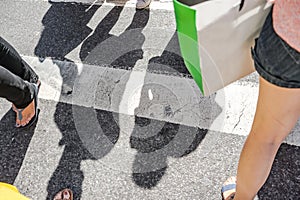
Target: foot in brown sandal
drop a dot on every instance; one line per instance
(65, 194)
(38, 83)
(229, 188)
(28, 115)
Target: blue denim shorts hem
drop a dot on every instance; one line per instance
(274, 59)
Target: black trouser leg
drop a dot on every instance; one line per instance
(15, 89)
(12, 61)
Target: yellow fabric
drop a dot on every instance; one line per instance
(10, 192)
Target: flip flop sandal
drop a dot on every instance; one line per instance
(65, 194)
(34, 118)
(226, 188)
(38, 84)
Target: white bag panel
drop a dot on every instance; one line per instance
(225, 37)
(210, 11)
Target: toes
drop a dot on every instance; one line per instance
(230, 180)
(27, 115)
(65, 194)
(18, 123)
(228, 194)
(27, 121)
(58, 196)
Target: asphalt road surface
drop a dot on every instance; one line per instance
(120, 116)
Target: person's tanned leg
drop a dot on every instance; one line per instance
(277, 112)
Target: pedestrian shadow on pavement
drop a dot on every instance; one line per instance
(156, 140)
(68, 173)
(123, 51)
(78, 145)
(100, 34)
(173, 140)
(65, 27)
(170, 62)
(14, 143)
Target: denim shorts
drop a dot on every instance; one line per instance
(274, 59)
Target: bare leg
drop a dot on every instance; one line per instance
(277, 112)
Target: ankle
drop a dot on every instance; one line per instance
(243, 194)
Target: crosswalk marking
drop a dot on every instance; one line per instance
(231, 110)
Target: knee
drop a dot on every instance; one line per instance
(270, 137)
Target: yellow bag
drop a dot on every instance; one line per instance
(10, 192)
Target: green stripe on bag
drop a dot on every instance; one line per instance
(188, 40)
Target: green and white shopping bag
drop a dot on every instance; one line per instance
(216, 36)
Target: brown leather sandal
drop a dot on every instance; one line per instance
(19, 112)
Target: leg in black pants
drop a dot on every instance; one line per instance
(17, 81)
(15, 89)
(12, 61)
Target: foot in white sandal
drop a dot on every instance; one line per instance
(229, 188)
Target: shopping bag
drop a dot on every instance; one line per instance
(215, 38)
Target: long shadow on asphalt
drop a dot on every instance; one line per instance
(65, 27)
(163, 139)
(172, 140)
(170, 62)
(68, 173)
(13, 144)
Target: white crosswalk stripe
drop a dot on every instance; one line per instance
(231, 110)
